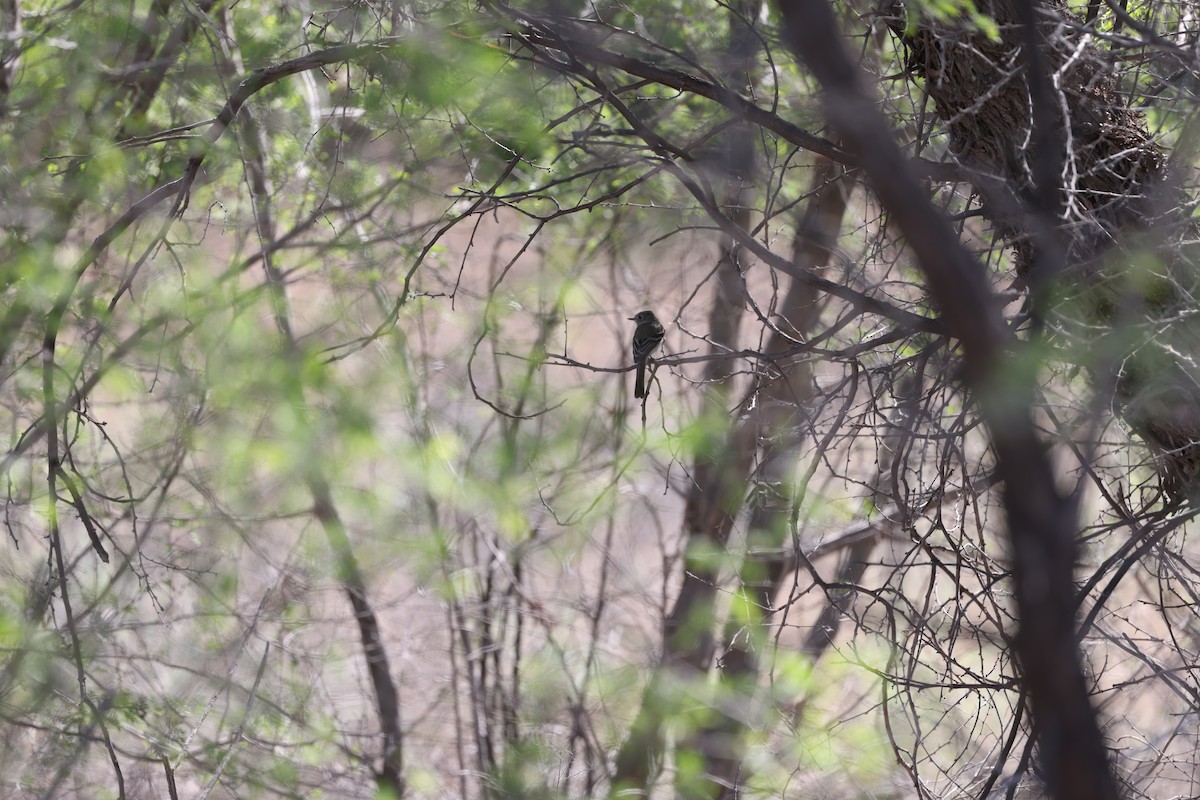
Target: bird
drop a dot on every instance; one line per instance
(646, 337)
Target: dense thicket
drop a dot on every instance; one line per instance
(323, 472)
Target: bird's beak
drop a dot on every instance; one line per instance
(631, 319)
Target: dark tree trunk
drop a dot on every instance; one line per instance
(1042, 523)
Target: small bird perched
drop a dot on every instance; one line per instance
(646, 337)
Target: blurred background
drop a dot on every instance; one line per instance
(323, 474)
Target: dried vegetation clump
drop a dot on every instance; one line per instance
(1118, 227)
